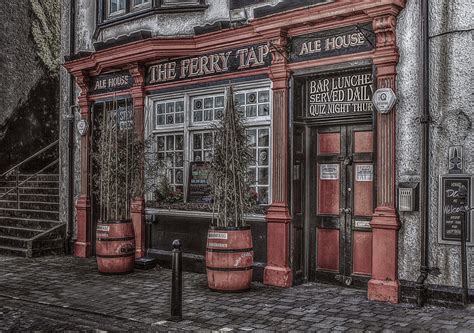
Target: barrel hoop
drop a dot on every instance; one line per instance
(229, 250)
(115, 239)
(225, 229)
(115, 255)
(126, 221)
(232, 269)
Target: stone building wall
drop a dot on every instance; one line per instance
(451, 107)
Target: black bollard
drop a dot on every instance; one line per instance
(177, 281)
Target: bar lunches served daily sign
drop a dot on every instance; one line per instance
(339, 95)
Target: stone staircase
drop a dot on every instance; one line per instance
(29, 219)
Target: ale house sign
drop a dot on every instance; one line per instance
(339, 95)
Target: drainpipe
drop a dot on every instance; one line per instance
(425, 154)
(70, 142)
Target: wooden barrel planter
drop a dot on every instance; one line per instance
(115, 247)
(229, 259)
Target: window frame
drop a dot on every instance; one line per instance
(189, 127)
(131, 11)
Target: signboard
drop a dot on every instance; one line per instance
(110, 82)
(384, 100)
(329, 171)
(452, 211)
(249, 57)
(340, 94)
(330, 43)
(199, 189)
(364, 172)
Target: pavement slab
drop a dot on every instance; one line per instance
(68, 293)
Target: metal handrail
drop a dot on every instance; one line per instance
(29, 158)
(27, 179)
(16, 168)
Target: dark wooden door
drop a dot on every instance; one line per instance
(343, 192)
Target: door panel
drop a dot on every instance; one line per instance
(328, 249)
(344, 194)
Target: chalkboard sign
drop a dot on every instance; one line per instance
(199, 188)
(452, 209)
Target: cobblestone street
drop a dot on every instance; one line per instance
(66, 293)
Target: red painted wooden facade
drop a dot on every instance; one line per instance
(382, 242)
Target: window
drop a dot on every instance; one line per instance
(115, 10)
(208, 108)
(203, 143)
(115, 7)
(171, 151)
(259, 173)
(183, 127)
(169, 113)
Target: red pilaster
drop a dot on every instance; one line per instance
(277, 272)
(82, 246)
(384, 285)
(138, 202)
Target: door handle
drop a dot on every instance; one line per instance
(346, 210)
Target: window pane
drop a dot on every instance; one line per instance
(180, 106)
(264, 96)
(208, 140)
(263, 138)
(197, 144)
(170, 142)
(263, 176)
(160, 108)
(251, 98)
(263, 195)
(263, 156)
(179, 142)
(263, 110)
(251, 111)
(252, 137)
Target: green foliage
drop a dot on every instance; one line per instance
(45, 30)
(229, 168)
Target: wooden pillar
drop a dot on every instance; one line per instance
(277, 272)
(384, 285)
(83, 246)
(138, 201)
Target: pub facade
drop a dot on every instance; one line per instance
(324, 174)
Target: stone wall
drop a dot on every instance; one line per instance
(29, 84)
(451, 107)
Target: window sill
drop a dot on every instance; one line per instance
(195, 210)
(196, 214)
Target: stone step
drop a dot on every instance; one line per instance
(30, 183)
(30, 213)
(29, 190)
(32, 223)
(13, 251)
(50, 243)
(31, 197)
(38, 205)
(19, 232)
(15, 242)
(41, 176)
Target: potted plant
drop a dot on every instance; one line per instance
(229, 254)
(117, 178)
